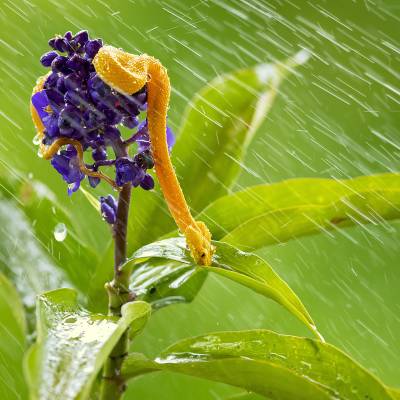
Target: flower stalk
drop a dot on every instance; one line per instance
(113, 385)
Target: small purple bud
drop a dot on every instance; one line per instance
(61, 85)
(51, 81)
(130, 122)
(52, 43)
(68, 35)
(147, 182)
(75, 63)
(128, 171)
(58, 64)
(59, 44)
(111, 134)
(47, 58)
(92, 47)
(108, 207)
(108, 213)
(72, 81)
(99, 154)
(81, 37)
(93, 181)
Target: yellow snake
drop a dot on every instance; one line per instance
(127, 74)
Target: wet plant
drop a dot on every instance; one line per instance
(101, 115)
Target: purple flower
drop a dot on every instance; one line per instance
(76, 103)
(66, 163)
(170, 138)
(108, 208)
(47, 58)
(147, 182)
(128, 171)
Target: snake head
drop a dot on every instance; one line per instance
(123, 71)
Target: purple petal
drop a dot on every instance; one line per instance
(170, 138)
(40, 102)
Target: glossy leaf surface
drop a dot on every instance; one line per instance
(276, 366)
(22, 259)
(244, 268)
(267, 214)
(162, 282)
(73, 344)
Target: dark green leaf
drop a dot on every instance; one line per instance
(220, 123)
(244, 268)
(266, 214)
(73, 344)
(12, 343)
(273, 365)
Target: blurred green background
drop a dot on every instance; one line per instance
(339, 117)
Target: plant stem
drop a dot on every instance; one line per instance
(113, 385)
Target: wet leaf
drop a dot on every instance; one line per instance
(244, 268)
(22, 259)
(163, 282)
(267, 214)
(51, 235)
(73, 344)
(277, 366)
(69, 250)
(12, 343)
(219, 124)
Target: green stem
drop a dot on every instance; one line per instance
(113, 385)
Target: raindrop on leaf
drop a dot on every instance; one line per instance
(60, 232)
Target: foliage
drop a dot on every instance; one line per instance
(73, 343)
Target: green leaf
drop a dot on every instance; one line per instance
(163, 282)
(12, 343)
(72, 253)
(22, 259)
(66, 260)
(73, 344)
(245, 396)
(219, 124)
(267, 214)
(277, 366)
(244, 268)
(395, 392)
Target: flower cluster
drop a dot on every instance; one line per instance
(75, 103)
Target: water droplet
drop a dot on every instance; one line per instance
(36, 140)
(30, 176)
(60, 232)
